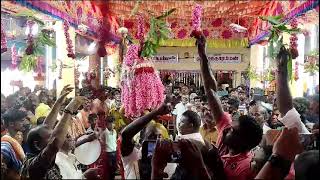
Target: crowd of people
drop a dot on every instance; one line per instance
(235, 136)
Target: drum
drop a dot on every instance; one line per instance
(89, 152)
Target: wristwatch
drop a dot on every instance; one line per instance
(281, 163)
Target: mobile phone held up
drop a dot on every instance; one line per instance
(148, 148)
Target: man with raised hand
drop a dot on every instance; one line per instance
(235, 138)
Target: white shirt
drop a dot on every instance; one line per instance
(130, 164)
(178, 111)
(193, 136)
(68, 166)
(111, 140)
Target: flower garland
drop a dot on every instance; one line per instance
(196, 17)
(66, 27)
(140, 32)
(14, 57)
(3, 39)
(293, 40)
(30, 43)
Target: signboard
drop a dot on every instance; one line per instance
(222, 58)
(167, 58)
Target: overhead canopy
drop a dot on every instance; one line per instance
(217, 16)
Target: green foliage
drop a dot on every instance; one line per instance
(276, 34)
(158, 32)
(277, 30)
(28, 63)
(251, 74)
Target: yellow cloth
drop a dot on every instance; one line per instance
(211, 43)
(163, 130)
(210, 136)
(119, 122)
(41, 110)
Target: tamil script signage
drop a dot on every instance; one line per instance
(222, 58)
(168, 58)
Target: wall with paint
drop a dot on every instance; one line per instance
(190, 64)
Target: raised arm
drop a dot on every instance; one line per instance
(137, 125)
(57, 138)
(284, 98)
(51, 119)
(210, 83)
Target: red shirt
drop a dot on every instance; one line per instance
(236, 167)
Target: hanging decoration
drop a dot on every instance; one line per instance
(196, 17)
(159, 31)
(312, 64)
(294, 40)
(66, 27)
(296, 71)
(3, 39)
(276, 39)
(196, 20)
(30, 43)
(142, 88)
(14, 57)
(34, 44)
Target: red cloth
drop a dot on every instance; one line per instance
(119, 160)
(236, 167)
(101, 163)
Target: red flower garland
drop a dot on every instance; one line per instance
(66, 27)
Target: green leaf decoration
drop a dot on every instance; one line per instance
(136, 8)
(158, 32)
(28, 63)
(289, 67)
(167, 13)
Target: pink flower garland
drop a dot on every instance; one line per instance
(142, 88)
(132, 54)
(196, 17)
(14, 57)
(3, 39)
(66, 27)
(293, 40)
(140, 31)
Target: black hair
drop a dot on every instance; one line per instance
(251, 132)
(234, 103)
(40, 120)
(177, 87)
(307, 165)
(193, 118)
(110, 119)
(226, 97)
(253, 103)
(34, 135)
(197, 97)
(13, 115)
(91, 117)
